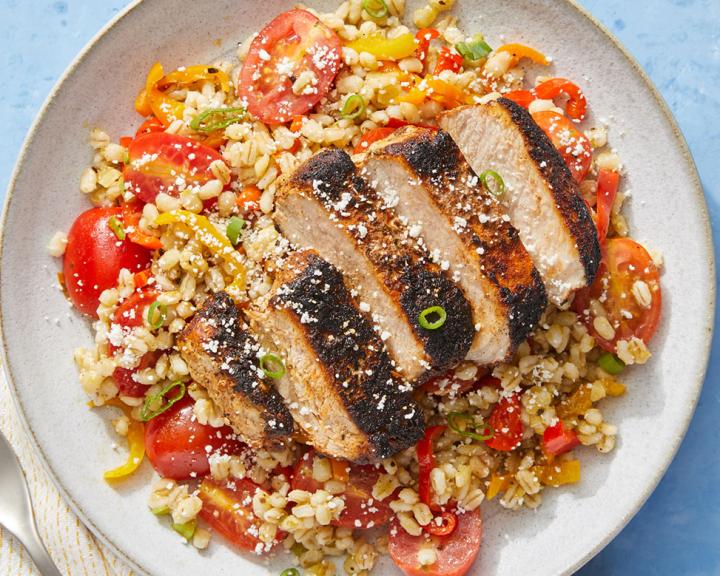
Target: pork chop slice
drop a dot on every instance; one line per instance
(222, 356)
(422, 175)
(541, 197)
(339, 383)
(328, 207)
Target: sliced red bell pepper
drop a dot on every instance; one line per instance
(607, 187)
(372, 136)
(557, 440)
(131, 221)
(448, 60)
(426, 462)
(521, 97)
(550, 89)
(423, 39)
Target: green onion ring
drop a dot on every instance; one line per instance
(147, 414)
(432, 325)
(269, 359)
(378, 11)
(203, 121)
(290, 572)
(454, 419)
(117, 227)
(234, 227)
(161, 310)
(611, 363)
(499, 182)
(353, 107)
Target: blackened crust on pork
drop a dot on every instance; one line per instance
(350, 353)
(413, 279)
(218, 331)
(567, 197)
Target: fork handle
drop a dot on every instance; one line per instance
(34, 545)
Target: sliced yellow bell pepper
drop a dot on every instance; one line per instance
(519, 51)
(214, 241)
(557, 474)
(449, 95)
(385, 48)
(189, 75)
(136, 444)
(498, 483)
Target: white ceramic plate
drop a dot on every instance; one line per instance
(40, 331)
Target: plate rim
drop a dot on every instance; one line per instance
(701, 203)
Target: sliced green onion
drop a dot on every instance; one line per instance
(156, 314)
(146, 413)
(375, 8)
(186, 530)
(290, 572)
(217, 119)
(234, 228)
(354, 107)
(481, 433)
(270, 361)
(498, 188)
(117, 227)
(160, 511)
(611, 363)
(476, 49)
(425, 321)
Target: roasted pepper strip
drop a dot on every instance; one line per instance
(423, 39)
(136, 444)
(519, 51)
(449, 95)
(213, 240)
(385, 48)
(191, 74)
(426, 462)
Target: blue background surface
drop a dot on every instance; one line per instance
(677, 42)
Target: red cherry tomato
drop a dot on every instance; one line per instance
(152, 124)
(124, 376)
(227, 508)
(161, 162)
(178, 445)
(550, 89)
(624, 262)
(94, 256)
(361, 509)
(572, 144)
(506, 422)
(455, 553)
(293, 43)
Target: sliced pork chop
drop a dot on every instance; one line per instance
(339, 384)
(541, 197)
(423, 176)
(327, 206)
(223, 357)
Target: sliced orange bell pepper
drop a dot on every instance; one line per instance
(340, 470)
(559, 473)
(498, 483)
(519, 51)
(250, 195)
(449, 95)
(136, 444)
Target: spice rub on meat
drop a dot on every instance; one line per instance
(541, 198)
(325, 205)
(222, 356)
(339, 382)
(422, 175)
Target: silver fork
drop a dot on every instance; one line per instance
(16, 512)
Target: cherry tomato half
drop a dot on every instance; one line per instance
(161, 162)
(506, 422)
(294, 43)
(95, 255)
(227, 508)
(177, 444)
(572, 144)
(361, 509)
(624, 263)
(455, 553)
